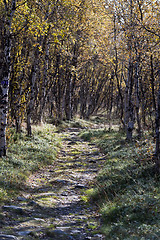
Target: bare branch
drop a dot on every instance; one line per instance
(150, 30)
(5, 4)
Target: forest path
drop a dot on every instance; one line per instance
(51, 206)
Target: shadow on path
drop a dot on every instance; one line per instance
(51, 204)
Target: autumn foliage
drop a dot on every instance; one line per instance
(68, 57)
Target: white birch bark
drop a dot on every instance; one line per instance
(5, 70)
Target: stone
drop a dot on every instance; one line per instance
(21, 199)
(59, 235)
(92, 161)
(7, 237)
(64, 194)
(72, 143)
(98, 236)
(32, 203)
(16, 209)
(73, 129)
(101, 159)
(91, 144)
(80, 186)
(94, 170)
(76, 232)
(39, 219)
(24, 233)
(59, 181)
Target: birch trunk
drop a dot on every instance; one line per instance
(32, 94)
(5, 69)
(4, 88)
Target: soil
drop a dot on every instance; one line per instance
(53, 204)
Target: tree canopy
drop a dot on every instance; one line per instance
(60, 58)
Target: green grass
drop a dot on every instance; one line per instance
(25, 155)
(93, 134)
(127, 190)
(74, 123)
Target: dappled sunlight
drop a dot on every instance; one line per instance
(55, 197)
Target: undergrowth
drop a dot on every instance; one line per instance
(127, 190)
(75, 123)
(25, 155)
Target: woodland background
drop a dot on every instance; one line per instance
(61, 58)
(90, 66)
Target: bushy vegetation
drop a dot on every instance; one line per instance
(25, 156)
(127, 189)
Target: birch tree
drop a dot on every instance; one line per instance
(8, 10)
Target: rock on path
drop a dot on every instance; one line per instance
(52, 201)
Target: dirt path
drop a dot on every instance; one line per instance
(51, 206)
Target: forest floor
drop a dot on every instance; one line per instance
(53, 204)
(78, 181)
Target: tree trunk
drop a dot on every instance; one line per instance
(32, 93)
(137, 94)
(157, 119)
(44, 84)
(111, 103)
(152, 84)
(143, 106)
(4, 88)
(83, 99)
(129, 106)
(68, 106)
(129, 118)
(70, 83)
(5, 70)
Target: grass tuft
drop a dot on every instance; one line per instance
(127, 190)
(25, 156)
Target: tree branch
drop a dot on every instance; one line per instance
(5, 4)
